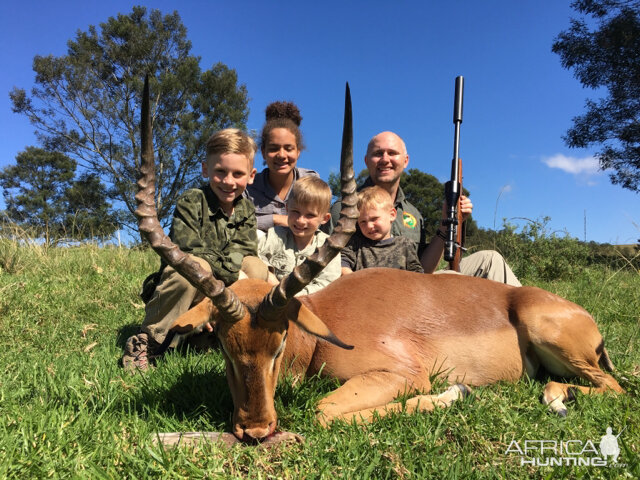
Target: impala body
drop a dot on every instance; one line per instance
(405, 328)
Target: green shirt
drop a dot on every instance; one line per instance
(200, 227)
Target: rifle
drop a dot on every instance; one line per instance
(453, 244)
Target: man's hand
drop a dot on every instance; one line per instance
(465, 207)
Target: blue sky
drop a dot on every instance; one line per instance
(400, 59)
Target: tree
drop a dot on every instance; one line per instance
(86, 104)
(424, 191)
(334, 181)
(42, 197)
(607, 57)
(88, 214)
(34, 190)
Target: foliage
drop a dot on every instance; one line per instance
(68, 410)
(334, 181)
(86, 103)
(88, 214)
(423, 190)
(41, 179)
(43, 197)
(426, 193)
(533, 251)
(607, 57)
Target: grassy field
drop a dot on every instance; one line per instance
(68, 410)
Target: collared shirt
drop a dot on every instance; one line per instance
(278, 250)
(408, 223)
(265, 199)
(200, 227)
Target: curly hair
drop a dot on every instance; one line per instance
(282, 115)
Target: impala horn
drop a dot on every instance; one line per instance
(274, 304)
(223, 298)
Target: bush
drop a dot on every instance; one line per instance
(534, 252)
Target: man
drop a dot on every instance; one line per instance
(386, 159)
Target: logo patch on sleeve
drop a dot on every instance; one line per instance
(409, 220)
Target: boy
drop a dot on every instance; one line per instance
(284, 248)
(217, 227)
(372, 245)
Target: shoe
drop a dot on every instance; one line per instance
(136, 355)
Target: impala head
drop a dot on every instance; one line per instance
(251, 318)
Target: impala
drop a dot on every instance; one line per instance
(402, 327)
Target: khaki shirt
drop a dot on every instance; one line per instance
(278, 250)
(200, 227)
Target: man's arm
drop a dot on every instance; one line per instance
(431, 255)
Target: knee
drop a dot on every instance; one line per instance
(254, 267)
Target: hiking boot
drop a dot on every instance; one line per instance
(138, 353)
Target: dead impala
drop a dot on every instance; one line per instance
(404, 327)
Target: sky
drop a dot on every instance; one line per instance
(400, 59)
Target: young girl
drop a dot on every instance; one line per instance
(281, 144)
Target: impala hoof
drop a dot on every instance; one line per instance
(463, 390)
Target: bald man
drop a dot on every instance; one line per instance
(386, 159)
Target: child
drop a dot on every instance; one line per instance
(281, 144)
(284, 248)
(217, 227)
(372, 245)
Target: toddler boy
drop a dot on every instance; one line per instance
(284, 248)
(372, 245)
(213, 224)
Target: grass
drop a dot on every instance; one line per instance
(68, 411)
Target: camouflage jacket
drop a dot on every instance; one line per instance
(200, 227)
(394, 252)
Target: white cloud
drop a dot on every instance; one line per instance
(576, 166)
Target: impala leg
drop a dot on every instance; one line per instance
(365, 396)
(555, 394)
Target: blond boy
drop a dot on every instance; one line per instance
(217, 227)
(284, 248)
(373, 245)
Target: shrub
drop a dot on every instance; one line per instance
(533, 252)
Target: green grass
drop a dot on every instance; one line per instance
(68, 411)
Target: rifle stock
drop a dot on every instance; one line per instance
(453, 245)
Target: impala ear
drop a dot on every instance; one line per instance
(310, 323)
(194, 317)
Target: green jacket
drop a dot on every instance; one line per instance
(200, 227)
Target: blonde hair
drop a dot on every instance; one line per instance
(374, 197)
(311, 191)
(232, 140)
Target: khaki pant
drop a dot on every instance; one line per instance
(487, 264)
(174, 295)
